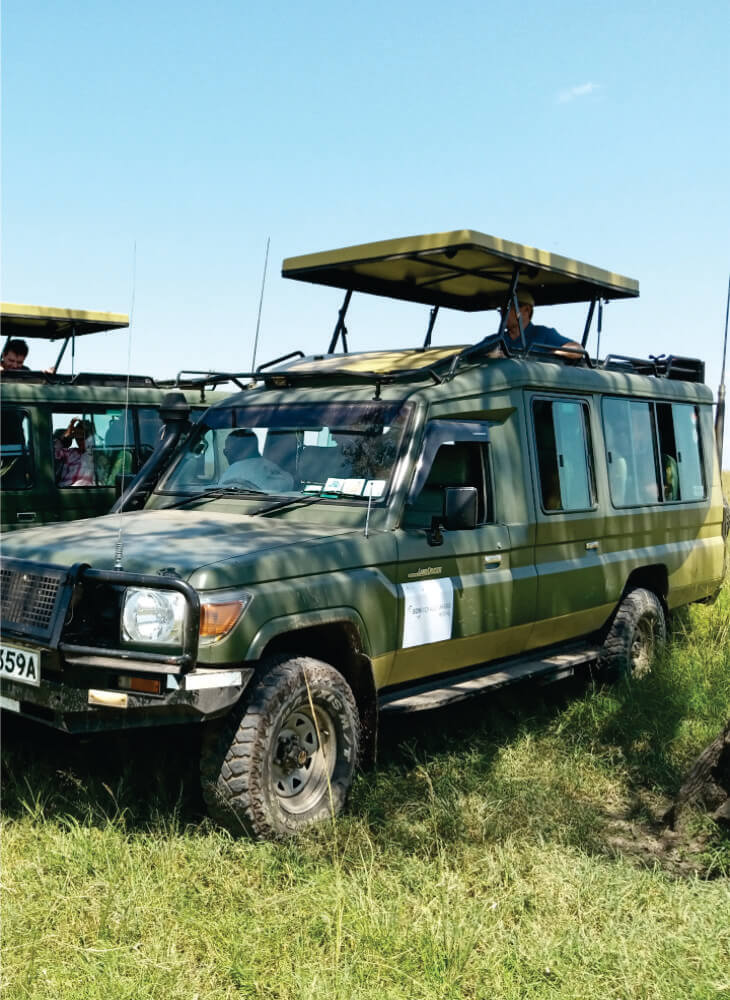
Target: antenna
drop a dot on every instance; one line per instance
(261, 302)
(119, 551)
(720, 413)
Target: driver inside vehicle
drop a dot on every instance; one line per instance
(248, 467)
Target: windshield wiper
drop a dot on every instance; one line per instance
(303, 501)
(217, 493)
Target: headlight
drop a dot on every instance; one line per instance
(154, 616)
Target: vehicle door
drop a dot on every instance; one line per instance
(459, 602)
(570, 560)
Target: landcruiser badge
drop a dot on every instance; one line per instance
(426, 571)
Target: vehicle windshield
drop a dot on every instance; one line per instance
(332, 450)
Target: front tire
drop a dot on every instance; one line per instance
(287, 755)
(637, 634)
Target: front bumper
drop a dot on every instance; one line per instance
(96, 705)
(84, 687)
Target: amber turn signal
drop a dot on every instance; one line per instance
(218, 619)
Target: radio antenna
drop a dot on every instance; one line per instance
(119, 551)
(261, 302)
(720, 413)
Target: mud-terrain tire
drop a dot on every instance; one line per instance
(272, 766)
(637, 634)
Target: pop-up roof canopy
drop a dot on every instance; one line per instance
(462, 270)
(50, 323)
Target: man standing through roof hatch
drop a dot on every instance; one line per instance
(544, 336)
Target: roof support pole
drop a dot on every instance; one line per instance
(512, 302)
(589, 320)
(61, 353)
(431, 321)
(340, 327)
(600, 328)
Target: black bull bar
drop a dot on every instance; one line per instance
(36, 599)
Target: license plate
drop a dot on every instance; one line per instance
(18, 663)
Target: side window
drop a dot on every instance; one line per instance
(564, 454)
(630, 452)
(654, 452)
(687, 460)
(16, 456)
(456, 463)
(92, 449)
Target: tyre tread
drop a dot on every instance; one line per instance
(232, 753)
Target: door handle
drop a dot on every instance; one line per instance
(592, 545)
(492, 561)
(26, 515)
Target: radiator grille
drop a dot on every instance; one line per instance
(29, 599)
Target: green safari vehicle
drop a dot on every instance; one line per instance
(44, 475)
(381, 531)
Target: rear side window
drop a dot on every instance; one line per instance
(653, 452)
(680, 452)
(564, 454)
(16, 455)
(93, 448)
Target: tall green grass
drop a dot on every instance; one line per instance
(509, 849)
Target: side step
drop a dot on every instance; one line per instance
(442, 691)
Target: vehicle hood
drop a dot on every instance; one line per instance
(209, 549)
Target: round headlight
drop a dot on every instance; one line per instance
(152, 616)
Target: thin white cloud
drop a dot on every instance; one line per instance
(582, 90)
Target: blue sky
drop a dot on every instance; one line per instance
(193, 133)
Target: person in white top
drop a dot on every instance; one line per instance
(247, 466)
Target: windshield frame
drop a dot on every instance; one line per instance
(298, 417)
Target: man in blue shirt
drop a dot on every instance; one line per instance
(544, 336)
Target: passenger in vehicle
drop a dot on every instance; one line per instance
(14, 355)
(544, 336)
(246, 465)
(118, 459)
(74, 464)
(670, 477)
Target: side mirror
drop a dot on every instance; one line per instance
(460, 508)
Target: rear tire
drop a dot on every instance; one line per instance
(637, 634)
(274, 766)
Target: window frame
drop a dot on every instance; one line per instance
(656, 444)
(90, 412)
(588, 452)
(25, 415)
(439, 432)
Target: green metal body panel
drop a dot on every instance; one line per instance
(529, 579)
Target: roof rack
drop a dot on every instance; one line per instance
(81, 378)
(670, 366)
(352, 369)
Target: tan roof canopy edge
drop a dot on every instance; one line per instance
(463, 270)
(51, 323)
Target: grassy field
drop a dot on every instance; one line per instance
(510, 850)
